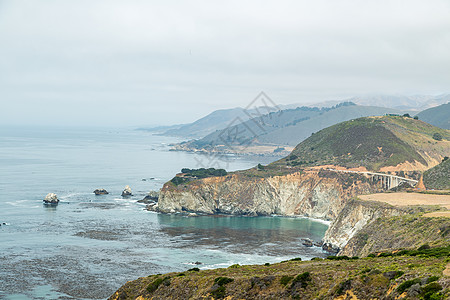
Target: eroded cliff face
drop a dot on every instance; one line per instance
(315, 193)
(353, 217)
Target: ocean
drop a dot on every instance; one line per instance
(87, 246)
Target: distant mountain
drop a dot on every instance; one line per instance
(438, 116)
(216, 120)
(374, 143)
(415, 103)
(286, 127)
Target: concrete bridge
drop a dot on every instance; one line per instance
(387, 181)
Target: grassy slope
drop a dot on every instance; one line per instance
(438, 116)
(438, 177)
(372, 142)
(407, 231)
(366, 278)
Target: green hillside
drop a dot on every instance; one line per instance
(438, 116)
(438, 177)
(416, 273)
(371, 142)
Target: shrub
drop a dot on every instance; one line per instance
(302, 279)
(218, 293)
(223, 280)
(344, 286)
(432, 288)
(424, 247)
(156, 283)
(437, 136)
(407, 284)
(235, 266)
(296, 259)
(285, 279)
(432, 278)
(194, 269)
(343, 257)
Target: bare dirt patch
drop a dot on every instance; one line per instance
(405, 199)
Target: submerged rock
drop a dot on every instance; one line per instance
(51, 198)
(101, 192)
(127, 192)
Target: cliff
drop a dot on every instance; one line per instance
(314, 193)
(408, 231)
(355, 215)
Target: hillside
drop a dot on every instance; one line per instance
(216, 120)
(414, 274)
(283, 128)
(438, 177)
(389, 143)
(438, 116)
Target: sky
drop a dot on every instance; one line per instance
(134, 63)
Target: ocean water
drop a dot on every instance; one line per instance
(88, 246)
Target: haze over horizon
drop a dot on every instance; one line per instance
(146, 63)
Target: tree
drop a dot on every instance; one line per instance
(407, 115)
(260, 167)
(437, 136)
(416, 117)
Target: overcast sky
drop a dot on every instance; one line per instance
(133, 62)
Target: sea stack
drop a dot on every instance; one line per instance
(101, 192)
(51, 198)
(127, 192)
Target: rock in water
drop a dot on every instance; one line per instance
(307, 242)
(127, 192)
(101, 192)
(152, 196)
(51, 198)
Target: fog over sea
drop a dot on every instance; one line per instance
(88, 246)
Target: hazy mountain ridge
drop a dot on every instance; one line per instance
(283, 128)
(438, 116)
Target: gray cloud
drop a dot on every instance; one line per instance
(147, 62)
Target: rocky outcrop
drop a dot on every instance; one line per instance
(101, 192)
(51, 198)
(410, 230)
(314, 193)
(127, 192)
(151, 197)
(353, 217)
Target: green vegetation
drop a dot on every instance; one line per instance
(218, 290)
(286, 279)
(157, 282)
(203, 173)
(416, 271)
(438, 116)
(372, 142)
(302, 279)
(437, 136)
(405, 231)
(438, 177)
(191, 174)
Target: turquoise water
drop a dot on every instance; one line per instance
(88, 246)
